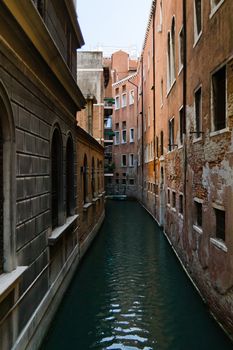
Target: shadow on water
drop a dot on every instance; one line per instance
(131, 293)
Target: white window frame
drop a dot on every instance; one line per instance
(195, 135)
(117, 102)
(131, 139)
(118, 133)
(124, 131)
(214, 7)
(181, 64)
(124, 100)
(131, 160)
(131, 97)
(196, 34)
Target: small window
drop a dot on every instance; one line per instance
(181, 48)
(181, 204)
(117, 126)
(123, 88)
(197, 18)
(198, 111)
(117, 137)
(117, 102)
(168, 196)
(131, 160)
(123, 100)
(124, 136)
(161, 143)
(131, 135)
(123, 160)
(182, 125)
(198, 214)
(124, 174)
(123, 181)
(215, 4)
(173, 199)
(124, 125)
(219, 99)
(117, 181)
(220, 224)
(171, 134)
(131, 97)
(131, 181)
(157, 146)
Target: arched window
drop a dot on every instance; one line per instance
(85, 180)
(69, 177)
(93, 177)
(7, 184)
(173, 50)
(56, 178)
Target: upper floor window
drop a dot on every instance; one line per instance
(181, 48)
(171, 54)
(198, 112)
(215, 4)
(198, 213)
(220, 223)
(123, 136)
(182, 125)
(197, 19)
(69, 177)
(131, 97)
(219, 99)
(124, 100)
(161, 143)
(117, 137)
(171, 134)
(123, 160)
(93, 178)
(131, 135)
(85, 180)
(131, 160)
(117, 102)
(56, 177)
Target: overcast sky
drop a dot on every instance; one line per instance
(113, 24)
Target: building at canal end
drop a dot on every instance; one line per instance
(185, 146)
(51, 170)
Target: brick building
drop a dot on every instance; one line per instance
(51, 171)
(186, 79)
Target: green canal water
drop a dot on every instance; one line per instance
(131, 293)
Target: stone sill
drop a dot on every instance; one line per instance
(197, 229)
(7, 280)
(86, 206)
(215, 9)
(219, 132)
(173, 209)
(95, 199)
(59, 231)
(219, 244)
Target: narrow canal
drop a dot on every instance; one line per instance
(131, 293)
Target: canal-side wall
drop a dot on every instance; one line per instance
(41, 170)
(192, 193)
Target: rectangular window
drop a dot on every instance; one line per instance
(117, 137)
(220, 224)
(131, 160)
(123, 100)
(181, 205)
(182, 125)
(123, 160)
(123, 88)
(171, 134)
(219, 99)
(124, 125)
(161, 143)
(198, 214)
(117, 181)
(117, 126)
(168, 196)
(124, 136)
(131, 97)
(117, 102)
(173, 199)
(181, 48)
(198, 111)
(123, 181)
(197, 18)
(131, 181)
(131, 135)
(215, 4)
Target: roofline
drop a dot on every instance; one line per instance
(125, 79)
(74, 20)
(152, 11)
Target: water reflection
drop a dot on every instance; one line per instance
(130, 293)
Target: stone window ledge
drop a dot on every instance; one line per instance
(8, 279)
(86, 206)
(219, 244)
(100, 195)
(60, 230)
(219, 132)
(95, 199)
(197, 229)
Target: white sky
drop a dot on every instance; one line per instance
(110, 25)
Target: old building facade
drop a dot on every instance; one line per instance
(186, 183)
(51, 171)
